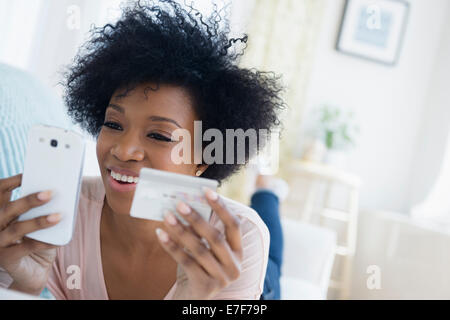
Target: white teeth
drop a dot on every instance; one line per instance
(124, 178)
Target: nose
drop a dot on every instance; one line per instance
(128, 148)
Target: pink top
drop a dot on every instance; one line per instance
(84, 252)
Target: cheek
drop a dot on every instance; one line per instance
(162, 160)
(102, 149)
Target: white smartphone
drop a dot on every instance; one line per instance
(54, 161)
(158, 191)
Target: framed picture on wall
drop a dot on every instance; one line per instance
(373, 29)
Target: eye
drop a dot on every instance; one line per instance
(159, 137)
(112, 125)
(156, 136)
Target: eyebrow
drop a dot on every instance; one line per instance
(153, 118)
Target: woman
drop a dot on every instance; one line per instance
(158, 69)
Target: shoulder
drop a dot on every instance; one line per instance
(87, 217)
(92, 189)
(254, 232)
(255, 245)
(250, 220)
(90, 204)
(82, 252)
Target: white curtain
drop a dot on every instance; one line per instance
(282, 38)
(42, 36)
(436, 206)
(18, 21)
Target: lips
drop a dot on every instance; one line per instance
(120, 187)
(124, 171)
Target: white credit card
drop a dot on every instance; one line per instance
(158, 191)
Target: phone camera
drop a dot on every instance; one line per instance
(54, 143)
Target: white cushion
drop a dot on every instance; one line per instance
(297, 289)
(6, 294)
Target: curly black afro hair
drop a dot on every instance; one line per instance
(166, 43)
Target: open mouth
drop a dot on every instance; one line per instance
(123, 179)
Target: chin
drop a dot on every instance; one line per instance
(118, 206)
(119, 202)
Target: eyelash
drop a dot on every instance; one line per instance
(155, 136)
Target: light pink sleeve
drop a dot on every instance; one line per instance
(5, 279)
(55, 280)
(255, 245)
(255, 242)
(52, 284)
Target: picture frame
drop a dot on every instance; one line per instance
(373, 29)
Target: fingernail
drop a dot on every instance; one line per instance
(183, 208)
(163, 236)
(211, 195)
(54, 217)
(46, 195)
(170, 218)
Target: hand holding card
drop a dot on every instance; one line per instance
(159, 191)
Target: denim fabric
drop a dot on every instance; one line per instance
(45, 294)
(266, 204)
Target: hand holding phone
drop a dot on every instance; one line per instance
(54, 161)
(26, 261)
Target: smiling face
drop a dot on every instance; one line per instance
(137, 133)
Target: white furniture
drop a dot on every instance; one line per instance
(412, 257)
(309, 252)
(6, 294)
(318, 183)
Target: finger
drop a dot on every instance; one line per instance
(18, 230)
(216, 239)
(6, 188)
(187, 239)
(11, 183)
(32, 245)
(28, 246)
(16, 208)
(231, 222)
(203, 229)
(190, 266)
(5, 197)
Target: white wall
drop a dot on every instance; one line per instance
(389, 101)
(54, 30)
(434, 135)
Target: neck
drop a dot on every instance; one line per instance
(134, 236)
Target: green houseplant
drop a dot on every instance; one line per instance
(337, 130)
